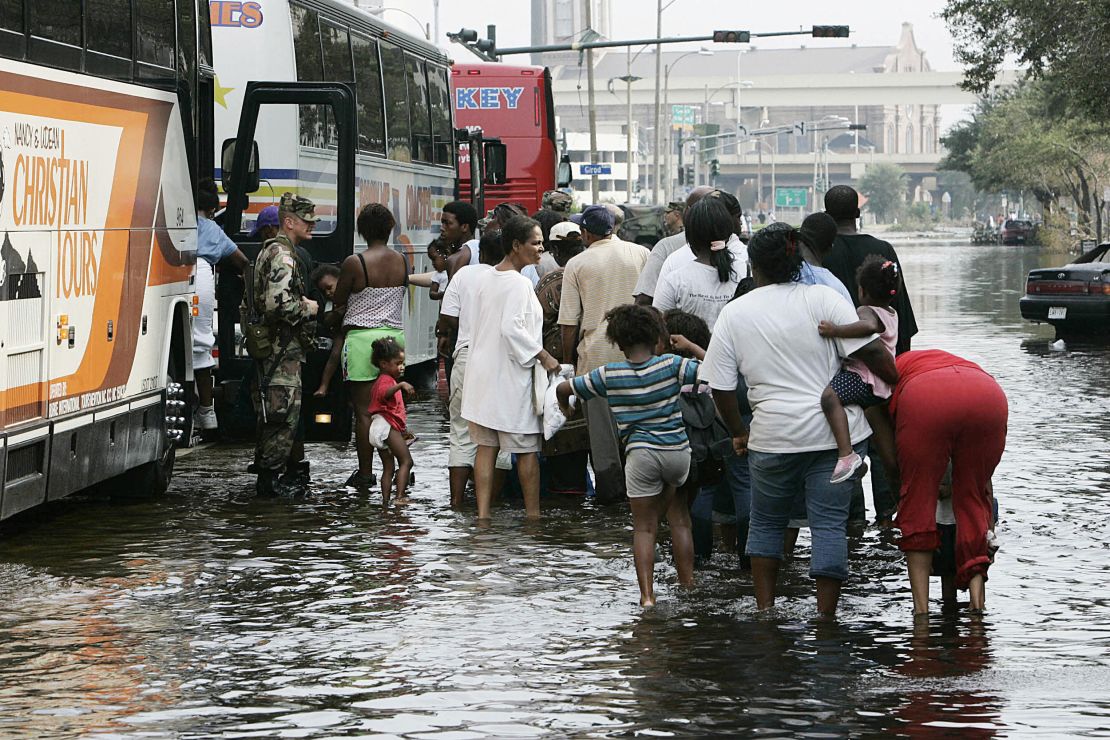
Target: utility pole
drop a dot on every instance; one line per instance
(658, 67)
(594, 189)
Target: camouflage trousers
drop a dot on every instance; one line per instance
(278, 410)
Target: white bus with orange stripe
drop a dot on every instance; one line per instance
(404, 149)
(101, 133)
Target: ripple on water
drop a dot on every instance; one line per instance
(208, 612)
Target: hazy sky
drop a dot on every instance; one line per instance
(873, 22)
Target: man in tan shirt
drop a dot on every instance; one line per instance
(599, 279)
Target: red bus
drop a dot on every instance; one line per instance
(513, 104)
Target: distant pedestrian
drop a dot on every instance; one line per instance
(506, 344)
(643, 390)
(388, 417)
(595, 282)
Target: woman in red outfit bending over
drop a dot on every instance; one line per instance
(946, 408)
(388, 419)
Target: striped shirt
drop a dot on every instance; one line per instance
(644, 399)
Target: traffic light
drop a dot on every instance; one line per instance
(483, 48)
(731, 37)
(714, 167)
(829, 32)
(681, 175)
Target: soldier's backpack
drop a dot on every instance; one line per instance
(256, 334)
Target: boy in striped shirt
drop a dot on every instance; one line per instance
(643, 394)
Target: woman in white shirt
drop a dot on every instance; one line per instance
(702, 287)
(770, 337)
(505, 345)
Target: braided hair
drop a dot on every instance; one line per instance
(879, 279)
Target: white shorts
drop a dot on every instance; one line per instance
(507, 442)
(204, 338)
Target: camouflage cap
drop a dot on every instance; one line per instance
(299, 206)
(557, 200)
(676, 205)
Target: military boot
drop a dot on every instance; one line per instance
(267, 482)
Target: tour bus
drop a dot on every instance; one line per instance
(102, 131)
(513, 104)
(402, 152)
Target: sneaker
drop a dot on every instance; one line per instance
(846, 467)
(204, 418)
(361, 480)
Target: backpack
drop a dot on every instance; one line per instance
(710, 440)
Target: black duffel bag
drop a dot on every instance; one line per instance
(710, 441)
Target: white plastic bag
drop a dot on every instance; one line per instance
(553, 417)
(379, 431)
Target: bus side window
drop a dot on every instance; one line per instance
(13, 43)
(109, 51)
(442, 142)
(155, 30)
(310, 68)
(396, 102)
(368, 86)
(419, 109)
(204, 53)
(337, 65)
(56, 33)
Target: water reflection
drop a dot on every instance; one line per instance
(209, 612)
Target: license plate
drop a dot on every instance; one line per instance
(1058, 312)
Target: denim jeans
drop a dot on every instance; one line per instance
(776, 480)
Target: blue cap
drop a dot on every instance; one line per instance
(268, 216)
(596, 220)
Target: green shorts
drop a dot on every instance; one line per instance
(357, 366)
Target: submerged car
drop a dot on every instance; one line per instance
(1014, 231)
(1073, 298)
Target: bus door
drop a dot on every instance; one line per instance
(331, 185)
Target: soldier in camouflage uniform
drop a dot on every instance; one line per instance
(281, 300)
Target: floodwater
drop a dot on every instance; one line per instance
(207, 613)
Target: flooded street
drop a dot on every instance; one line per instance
(210, 613)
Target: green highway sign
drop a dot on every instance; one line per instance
(790, 197)
(682, 116)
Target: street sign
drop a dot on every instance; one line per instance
(790, 197)
(595, 169)
(682, 116)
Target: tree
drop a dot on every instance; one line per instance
(1065, 41)
(885, 187)
(1030, 139)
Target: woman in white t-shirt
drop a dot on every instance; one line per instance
(702, 287)
(506, 342)
(769, 337)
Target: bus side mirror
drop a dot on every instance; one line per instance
(495, 155)
(227, 159)
(563, 174)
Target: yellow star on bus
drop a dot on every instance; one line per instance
(219, 94)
